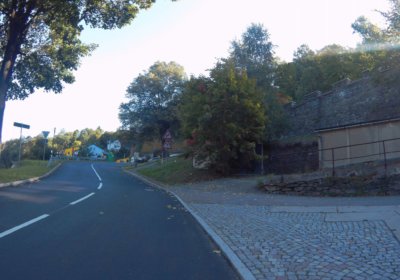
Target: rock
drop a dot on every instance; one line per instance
(203, 164)
(271, 188)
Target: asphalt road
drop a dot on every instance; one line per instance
(77, 224)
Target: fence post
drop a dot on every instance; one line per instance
(384, 157)
(333, 162)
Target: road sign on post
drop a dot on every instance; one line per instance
(21, 125)
(45, 134)
(167, 140)
(166, 143)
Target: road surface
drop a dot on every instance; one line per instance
(93, 221)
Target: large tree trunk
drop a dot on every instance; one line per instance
(6, 70)
(16, 32)
(3, 91)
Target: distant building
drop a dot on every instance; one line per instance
(96, 152)
(114, 146)
(73, 151)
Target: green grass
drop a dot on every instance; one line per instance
(174, 171)
(26, 170)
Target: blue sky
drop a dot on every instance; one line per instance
(193, 33)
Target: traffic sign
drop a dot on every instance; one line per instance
(167, 140)
(21, 125)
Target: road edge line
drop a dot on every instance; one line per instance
(97, 174)
(21, 226)
(240, 267)
(82, 199)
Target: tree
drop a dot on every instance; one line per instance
(88, 136)
(40, 45)
(381, 43)
(153, 98)
(254, 54)
(307, 71)
(311, 71)
(9, 153)
(369, 32)
(224, 115)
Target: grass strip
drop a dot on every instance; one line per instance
(174, 171)
(26, 170)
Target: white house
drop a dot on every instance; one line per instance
(95, 151)
(114, 146)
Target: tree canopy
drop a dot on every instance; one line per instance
(152, 101)
(254, 54)
(40, 45)
(224, 116)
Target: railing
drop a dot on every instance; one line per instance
(307, 160)
(382, 150)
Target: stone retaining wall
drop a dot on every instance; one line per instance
(368, 99)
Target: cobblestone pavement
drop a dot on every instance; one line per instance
(281, 245)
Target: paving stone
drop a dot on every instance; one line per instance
(304, 245)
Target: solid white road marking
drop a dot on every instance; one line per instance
(100, 186)
(81, 199)
(97, 174)
(14, 229)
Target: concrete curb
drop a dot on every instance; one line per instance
(30, 180)
(240, 267)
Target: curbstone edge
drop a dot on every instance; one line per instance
(240, 267)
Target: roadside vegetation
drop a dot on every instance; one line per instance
(225, 116)
(26, 170)
(239, 106)
(174, 171)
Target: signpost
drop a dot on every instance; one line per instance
(21, 125)
(166, 144)
(45, 134)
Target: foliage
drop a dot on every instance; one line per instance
(84, 151)
(381, 43)
(122, 153)
(254, 54)
(311, 71)
(33, 147)
(153, 98)
(224, 114)
(9, 153)
(90, 136)
(26, 170)
(175, 171)
(40, 45)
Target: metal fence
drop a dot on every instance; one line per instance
(304, 159)
(381, 151)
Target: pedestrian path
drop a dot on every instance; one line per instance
(304, 245)
(287, 237)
